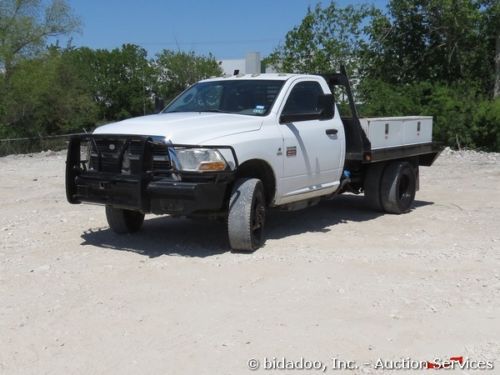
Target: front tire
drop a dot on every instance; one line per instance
(247, 215)
(123, 221)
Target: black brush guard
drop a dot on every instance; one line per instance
(148, 185)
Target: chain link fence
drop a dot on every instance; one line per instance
(36, 144)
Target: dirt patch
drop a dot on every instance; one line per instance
(333, 281)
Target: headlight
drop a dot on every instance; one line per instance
(200, 160)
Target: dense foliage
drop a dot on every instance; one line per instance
(326, 38)
(421, 57)
(70, 89)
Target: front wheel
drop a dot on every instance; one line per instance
(123, 221)
(247, 215)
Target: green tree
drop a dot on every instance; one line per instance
(436, 57)
(491, 31)
(46, 96)
(178, 70)
(25, 26)
(439, 40)
(120, 81)
(326, 38)
(422, 57)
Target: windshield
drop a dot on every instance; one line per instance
(245, 97)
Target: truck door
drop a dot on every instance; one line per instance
(313, 150)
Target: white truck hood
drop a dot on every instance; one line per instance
(185, 127)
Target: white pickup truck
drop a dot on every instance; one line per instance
(235, 147)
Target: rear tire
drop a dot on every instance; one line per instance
(247, 214)
(398, 187)
(373, 180)
(123, 221)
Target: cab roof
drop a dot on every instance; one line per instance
(257, 76)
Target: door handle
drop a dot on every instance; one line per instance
(331, 131)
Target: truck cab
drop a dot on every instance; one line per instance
(235, 147)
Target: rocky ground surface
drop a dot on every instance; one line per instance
(333, 281)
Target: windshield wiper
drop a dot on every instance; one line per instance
(198, 111)
(213, 110)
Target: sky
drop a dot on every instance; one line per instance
(227, 29)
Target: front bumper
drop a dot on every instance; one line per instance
(147, 190)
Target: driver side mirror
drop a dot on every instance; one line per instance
(327, 107)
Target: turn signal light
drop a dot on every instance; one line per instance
(212, 166)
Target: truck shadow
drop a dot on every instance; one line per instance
(203, 238)
(341, 209)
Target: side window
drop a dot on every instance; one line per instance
(304, 98)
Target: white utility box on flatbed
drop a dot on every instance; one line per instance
(386, 132)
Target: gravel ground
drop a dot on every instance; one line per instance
(333, 281)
